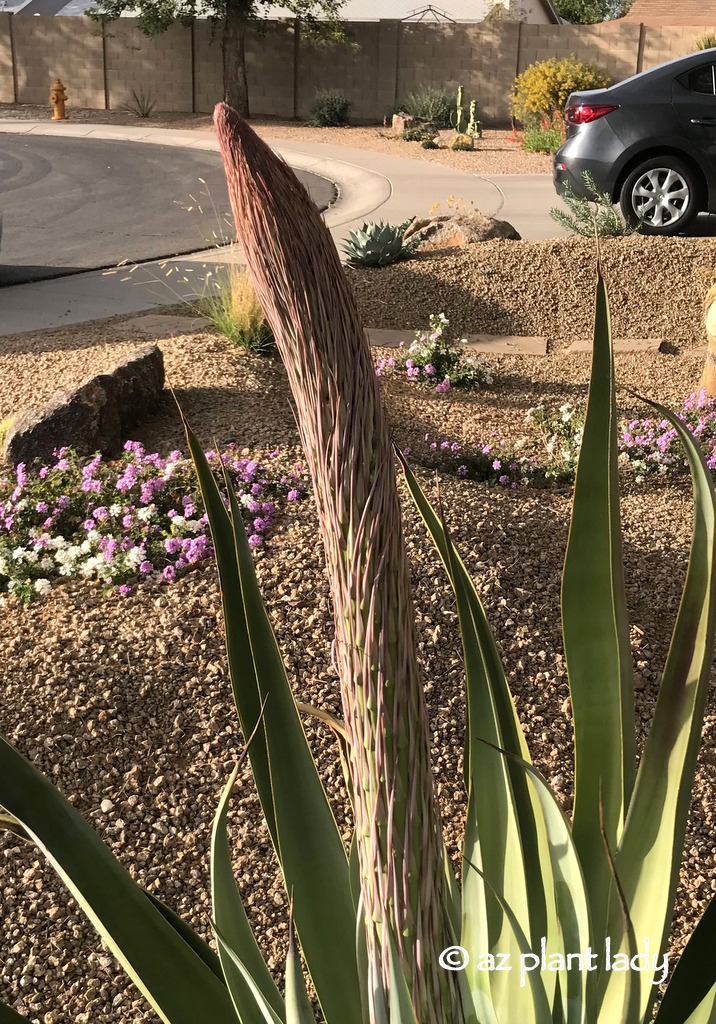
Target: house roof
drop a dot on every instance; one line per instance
(669, 12)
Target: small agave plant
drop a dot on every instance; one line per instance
(377, 245)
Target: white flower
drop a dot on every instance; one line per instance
(180, 521)
(42, 586)
(46, 563)
(115, 510)
(18, 554)
(145, 514)
(93, 535)
(135, 556)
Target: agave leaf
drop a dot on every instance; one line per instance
(596, 632)
(693, 983)
(298, 1008)
(262, 1008)
(177, 983)
(576, 986)
(304, 832)
(540, 1010)
(501, 832)
(649, 856)
(10, 1016)
(202, 949)
(230, 916)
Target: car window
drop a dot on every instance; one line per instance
(702, 80)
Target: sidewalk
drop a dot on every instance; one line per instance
(390, 188)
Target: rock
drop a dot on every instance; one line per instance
(451, 230)
(96, 417)
(402, 121)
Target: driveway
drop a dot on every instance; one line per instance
(71, 205)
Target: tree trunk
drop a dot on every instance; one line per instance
(233, 52)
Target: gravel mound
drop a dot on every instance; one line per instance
(126, 704)
(656, 288)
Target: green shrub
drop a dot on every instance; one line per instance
(589, 217)
(330, 110)
(234, 310)
(545, 86)
(429, 144)
(545, 137)
(416, 135)
(431, 104)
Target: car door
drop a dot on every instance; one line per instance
(694, 101)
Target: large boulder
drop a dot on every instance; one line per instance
(450, 230)
(96, 417)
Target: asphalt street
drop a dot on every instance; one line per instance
(70, 205)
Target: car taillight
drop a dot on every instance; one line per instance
(583, 113)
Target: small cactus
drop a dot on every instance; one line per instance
(376, 245)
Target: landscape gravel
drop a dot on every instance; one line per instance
(126, 705)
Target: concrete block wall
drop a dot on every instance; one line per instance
(7, 87)
(351, 69)
(65, 48)
(482, 58)
(611, 46)
(270, 69)
(181, 69)
(667, 43)
(157, 66)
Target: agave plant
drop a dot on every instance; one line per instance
(536, 890)
(377, 245)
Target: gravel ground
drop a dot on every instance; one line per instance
(141, 719)
(496, 153)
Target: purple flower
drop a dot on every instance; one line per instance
(89, 524)
(145, 566)
(172, 545)
(292, 495)
(100, 513)
(255, 541)
(429, 370)
(63, 501)
(462, 470)
(168, 573)
(41, 506)
(497, 464)
(504, 480)
(43, 472)
(125, 589)
(127, 521)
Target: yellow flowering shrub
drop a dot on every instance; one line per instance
(544, 86)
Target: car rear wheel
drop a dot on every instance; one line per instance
(660, 196)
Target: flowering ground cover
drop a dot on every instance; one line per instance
(119, 522)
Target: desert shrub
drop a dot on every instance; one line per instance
(545, 137)
(329, 110)
(141, 104)
(545, 86)
(706, 41)
(594, 216)
(430, 104)
(416, 135)
(235, 311)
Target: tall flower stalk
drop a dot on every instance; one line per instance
(312, 313)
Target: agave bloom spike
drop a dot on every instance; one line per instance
(295, 267)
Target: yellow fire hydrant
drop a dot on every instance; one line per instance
(58, 95)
